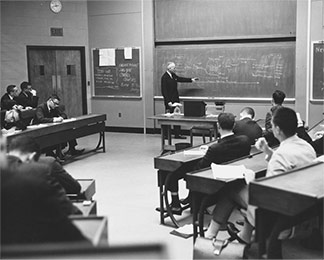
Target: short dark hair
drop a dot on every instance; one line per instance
(25, 144)
(285, 118)
(226, 121)
(278, 97)
(249, 111)
(24, 85)
(54, 96)
(10, 88)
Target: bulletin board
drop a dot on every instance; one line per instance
(116, 72)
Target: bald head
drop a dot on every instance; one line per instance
(171, 66)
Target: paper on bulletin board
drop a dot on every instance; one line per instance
(107, 57)
(128, 55)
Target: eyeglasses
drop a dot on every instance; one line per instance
(56, 103)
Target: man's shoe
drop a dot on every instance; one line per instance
(185, 201)
(174, 210)
(76, 152)
(180, 137)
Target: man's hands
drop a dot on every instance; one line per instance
(194, 79)
(57, 119)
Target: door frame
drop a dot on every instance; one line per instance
(83, 67)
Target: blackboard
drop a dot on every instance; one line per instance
(119, 80)
(250, 70)
(177, 20)
(318, 71)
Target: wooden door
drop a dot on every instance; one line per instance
(57, 71)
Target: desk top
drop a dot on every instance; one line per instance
(88, 189)
(203, 181)
(176, 117)
(289, 193)
(171, 162)
(44, 129)
(93, 228)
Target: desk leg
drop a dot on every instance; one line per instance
(260, 227)
(103, 142)
(169, 135)
(196, 199)
(163, 132)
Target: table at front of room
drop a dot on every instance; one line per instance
(51, 134)
(296, 195)
(167, 121)
(202, 183)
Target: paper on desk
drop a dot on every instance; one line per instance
(69, 119)
(232, 172)
(194, 152)
(176, 104)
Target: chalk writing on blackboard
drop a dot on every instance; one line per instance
(120, 80)
(242, 70)
(318, 71)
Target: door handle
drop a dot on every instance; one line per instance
(59, 86)
(53, 83)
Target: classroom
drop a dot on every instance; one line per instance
(105, 61)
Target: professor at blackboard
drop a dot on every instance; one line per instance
(169, 84)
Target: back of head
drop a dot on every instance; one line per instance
(278, 97)
(24, 85)
(226, 121)
(25, 144)
(285, 118)
(10, 88)
(248, 111)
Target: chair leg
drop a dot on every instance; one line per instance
(204, 138)
(210, 136)
(191, 138)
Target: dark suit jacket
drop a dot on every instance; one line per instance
(7, 103)
(227, 149)
(34, 209)
(169, 87)
(27, 100)
(43, 115)
(248, 127)
(61, 175)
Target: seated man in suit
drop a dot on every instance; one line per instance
(278, 98)
(33, 207)
(247, 126)
(8, 100)
(292, 152)
(26, 149)
(27, 97)
(228, 147)
(49, 112)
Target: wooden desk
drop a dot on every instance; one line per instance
(294, 194)
(51, 134)
(88, 189)
(202, 183)
(167, 121)
(165, 165)
(168, 163)
(93, 228)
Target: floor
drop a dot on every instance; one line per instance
(127, 192)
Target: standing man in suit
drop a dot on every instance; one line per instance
(27, 97)
(247, 126)
(169, 86)
(8, 100)
(51, 112)
(228, 147)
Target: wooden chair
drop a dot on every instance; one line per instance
(201, 130)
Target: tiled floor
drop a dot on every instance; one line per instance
(127, 192)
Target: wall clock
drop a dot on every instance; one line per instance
(56, 6)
